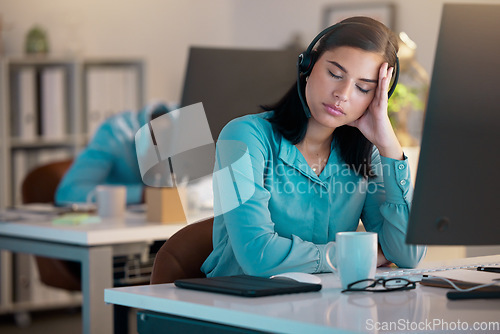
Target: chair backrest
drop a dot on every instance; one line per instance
(40, 184)
(182, 255)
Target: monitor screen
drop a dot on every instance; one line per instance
(235, 82)
(456, 197)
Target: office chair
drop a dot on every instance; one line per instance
(183, 254)
(39, 186)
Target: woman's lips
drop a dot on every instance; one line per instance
(334, 110)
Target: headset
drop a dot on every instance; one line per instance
(308, 58)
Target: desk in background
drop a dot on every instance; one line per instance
(93, 245)
(327, 311)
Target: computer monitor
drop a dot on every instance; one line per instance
(456, 199)
(235, 82)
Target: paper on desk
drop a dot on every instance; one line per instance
(472, 276)
(76, 219)
(8, 217)
(37, 208)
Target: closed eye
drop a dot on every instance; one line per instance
(335, 76)
(364, 91)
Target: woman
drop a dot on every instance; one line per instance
(286, 183)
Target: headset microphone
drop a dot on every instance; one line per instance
(308, 58)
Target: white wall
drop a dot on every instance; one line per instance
(161, 31)
(157, 30)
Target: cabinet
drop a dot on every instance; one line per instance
(50, 107)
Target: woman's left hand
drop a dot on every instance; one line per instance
(375, 124)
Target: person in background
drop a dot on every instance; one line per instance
(313, 174)
(109, 158)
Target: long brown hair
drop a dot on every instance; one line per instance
(288, 116)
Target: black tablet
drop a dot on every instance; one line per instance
(247, 286)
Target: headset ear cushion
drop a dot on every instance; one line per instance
(311, 60)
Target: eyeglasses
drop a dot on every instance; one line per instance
(388, 285)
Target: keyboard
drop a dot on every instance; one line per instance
(429, 269)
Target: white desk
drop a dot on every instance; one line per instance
(93, 245)
(326, 311)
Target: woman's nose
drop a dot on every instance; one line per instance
(342, 91)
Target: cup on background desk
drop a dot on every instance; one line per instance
(355, 256)
(111, 200)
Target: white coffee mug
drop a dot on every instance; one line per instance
(355, 256)
(111, 200)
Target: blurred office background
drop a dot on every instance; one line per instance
(161, 31)
(159, 34)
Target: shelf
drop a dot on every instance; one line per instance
(44, 107)
(39, 143)
(51, 106)
(39, 61)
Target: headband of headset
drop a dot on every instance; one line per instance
(308, 58)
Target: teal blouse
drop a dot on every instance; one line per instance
(286, 214)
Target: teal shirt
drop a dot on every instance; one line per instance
(292, 214)
(109, 158)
